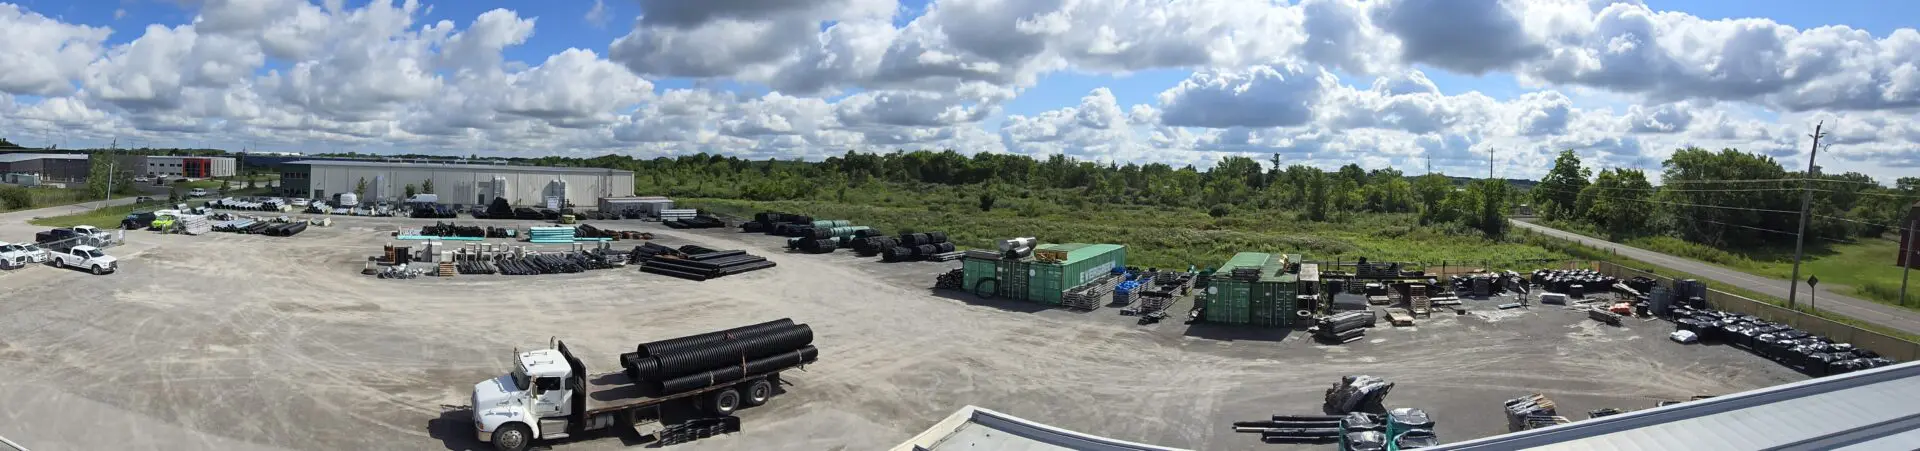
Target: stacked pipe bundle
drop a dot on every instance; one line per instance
(874, 245)
(1018, 248)
(589, 231)
(917, 247)
(1090, 295)
(951, 280)
(1809, 353)
(1293, 428)
(550, 235)
(235, 226)
(816, 245)
(229, 203)
(696, 222)
(698, 263)
(284, 229)
(699, 361)
(453, 230)
(548, 263)
(1345, 327)
(1357, 393)
(193, 224)
(434, 211)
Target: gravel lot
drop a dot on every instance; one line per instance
(251, 342)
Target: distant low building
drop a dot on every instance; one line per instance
(455, 183)
(46, 166)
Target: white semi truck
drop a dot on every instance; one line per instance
(549, 395)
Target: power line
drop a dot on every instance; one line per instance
(1672, 182)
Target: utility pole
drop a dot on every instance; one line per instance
(1806, 203)
(1907, 268)
(1489, 163)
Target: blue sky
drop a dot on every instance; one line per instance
(896, 96)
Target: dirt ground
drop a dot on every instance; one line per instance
(251, 342)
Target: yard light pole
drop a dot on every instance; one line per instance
(1806, 202)
(1908, 259)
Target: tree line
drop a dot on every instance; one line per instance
(1728, 199)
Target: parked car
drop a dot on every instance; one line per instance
(298, 202)
(138, 220)
(13, 255)
(88, 258)
(35, 254)
(142, 199)
(197, 192)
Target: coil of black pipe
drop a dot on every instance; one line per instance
(736, 372)
(730, 352)
(708, 339)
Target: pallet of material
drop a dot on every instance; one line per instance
(1399, 317)
(1444, 301)
(1603, 316)
(1091, 295)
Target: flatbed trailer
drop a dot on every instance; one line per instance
(603, 400)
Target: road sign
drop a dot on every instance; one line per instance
(1813, 281)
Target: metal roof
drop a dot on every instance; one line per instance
(470, 167)
(974, 428)
(1868, 410)
(19, 157)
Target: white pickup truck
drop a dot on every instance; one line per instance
(86, 257)
(14, 256)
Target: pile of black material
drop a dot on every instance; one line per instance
(1811, 354)
(1358, 393)
(1562, 281)
(873, 245)
(469, 266)
(434, 211)
(1344, 327)
(775, 223)
(1489, 284)
(1293, 428)
(698, 263)
(284, 229)
(916, 247)
(453, 230)
(552, 263)
(951, 280)
(498, 209)
(589, 231)
(1520, 410)
(696, 222)
(1641, 284)
(1377, 270)
(817, 245)
(699, 361)
(697, 428)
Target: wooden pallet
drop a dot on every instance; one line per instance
(447, 269)
(1418, 300)
(1399, 317)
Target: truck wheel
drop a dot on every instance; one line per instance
(758, 392)
(58, 263)
(512, 437)
(723, 402)
(97, 270)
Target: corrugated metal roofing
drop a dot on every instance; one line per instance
(19, 157)
(973, 429)
(1244, 259)
(1873, 409)
(1082, 251)
(471, 167)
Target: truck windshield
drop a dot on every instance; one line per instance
(88, 253)
(519, 380)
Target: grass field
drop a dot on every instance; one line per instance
(1865, 268)
(1171, 237)
(106, 218)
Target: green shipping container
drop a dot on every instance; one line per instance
(975, 270)
(1013, 275)
(1084, 263)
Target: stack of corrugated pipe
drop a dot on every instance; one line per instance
(717, 358)
(1344, 327)
(917, 247)
(1018, 248)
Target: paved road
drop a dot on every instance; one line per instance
(21, 216)
(1856, 308)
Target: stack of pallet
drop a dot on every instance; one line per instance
(1343, 328)
(1526, 411)
(1417, 298)
(447, 269)
(1090, 295)
(1129, 292)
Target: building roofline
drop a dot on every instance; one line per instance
(1021, 427)
(1692, 409)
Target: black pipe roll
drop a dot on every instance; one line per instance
(708, 339)
(732, 351)
(726, 375)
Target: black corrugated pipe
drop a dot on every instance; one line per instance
(709, 338)
(734, 352)
(737, 372)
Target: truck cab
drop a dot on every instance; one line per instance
(534, 400)
(13, 255)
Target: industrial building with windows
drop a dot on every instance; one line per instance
(20, 168)
(181, 166)
(454, 183)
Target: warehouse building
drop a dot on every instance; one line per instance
(185, 166)
(455, 183)
(45, 166)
